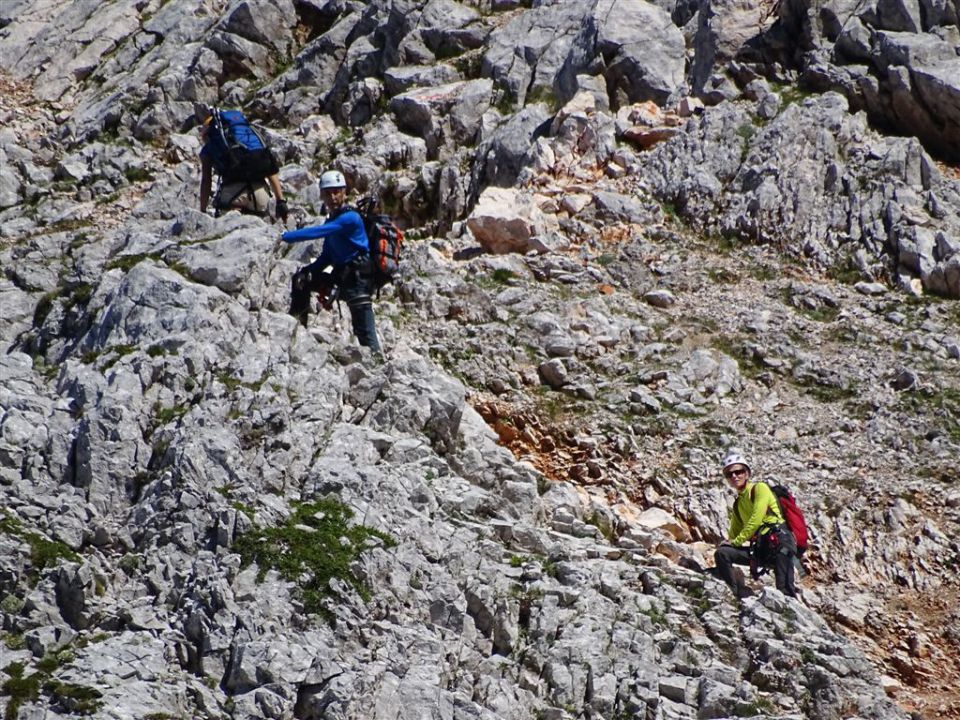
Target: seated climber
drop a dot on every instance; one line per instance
(758, 534)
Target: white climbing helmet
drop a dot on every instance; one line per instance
(332, 179)
(735, 458)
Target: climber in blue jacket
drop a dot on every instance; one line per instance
(345, 249)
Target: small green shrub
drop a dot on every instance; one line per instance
(791, 94)
(470, 64)
(656, 615)
(130, 563)
(829, 393)
(70, 224)
(117, 352)
(241, 507)
(43, 552)
(44, 306)
(21, 687)
(165, 415)
(108, 199)
(546, 95)
(505, 104)
(746, 131)
(138, 174)
(315, 545)
(232, 383)
(79, 295)
(14, 641)
(761, 706)
(125, 262)
(78, 699)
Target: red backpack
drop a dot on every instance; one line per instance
(794, 517)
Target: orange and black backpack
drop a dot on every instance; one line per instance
(386, 241)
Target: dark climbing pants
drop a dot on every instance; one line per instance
(353, 284)
(356, 291)
(305, 282)
(776, 550)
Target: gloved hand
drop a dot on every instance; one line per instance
(282, 210)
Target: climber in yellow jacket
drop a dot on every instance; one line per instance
(758, 520)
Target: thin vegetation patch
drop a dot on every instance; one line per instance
(315, 545)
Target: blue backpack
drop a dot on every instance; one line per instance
(237, 150)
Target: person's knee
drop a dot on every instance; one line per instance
(723, 555)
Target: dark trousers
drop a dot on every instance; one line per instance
(356, 293)
(352, 284)
(776, 552)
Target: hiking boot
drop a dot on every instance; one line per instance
(690, 564)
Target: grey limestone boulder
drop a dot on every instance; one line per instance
(11, 183)
(228, 263)
(769, 192)
(643, 51)
(724, 27)
(509, 148)
(406, 77)
(444, 116)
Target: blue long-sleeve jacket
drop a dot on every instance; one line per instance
(344, 238)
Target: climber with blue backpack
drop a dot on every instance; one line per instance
(759, 533)
(248, 173)
(344, 270)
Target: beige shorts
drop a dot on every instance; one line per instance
(253, 197)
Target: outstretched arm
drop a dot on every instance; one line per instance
(315, 231)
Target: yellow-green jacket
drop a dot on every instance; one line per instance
(756, 509)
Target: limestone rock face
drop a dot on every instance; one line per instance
(637, 235)
(542, 51)
(897, 61)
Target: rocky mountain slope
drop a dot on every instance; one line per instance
(638, 234)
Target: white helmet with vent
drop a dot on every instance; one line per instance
(734, 458)
(332, 179)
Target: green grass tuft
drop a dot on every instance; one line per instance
(315, 545)
(43, 552)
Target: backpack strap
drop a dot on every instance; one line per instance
(736, 503)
